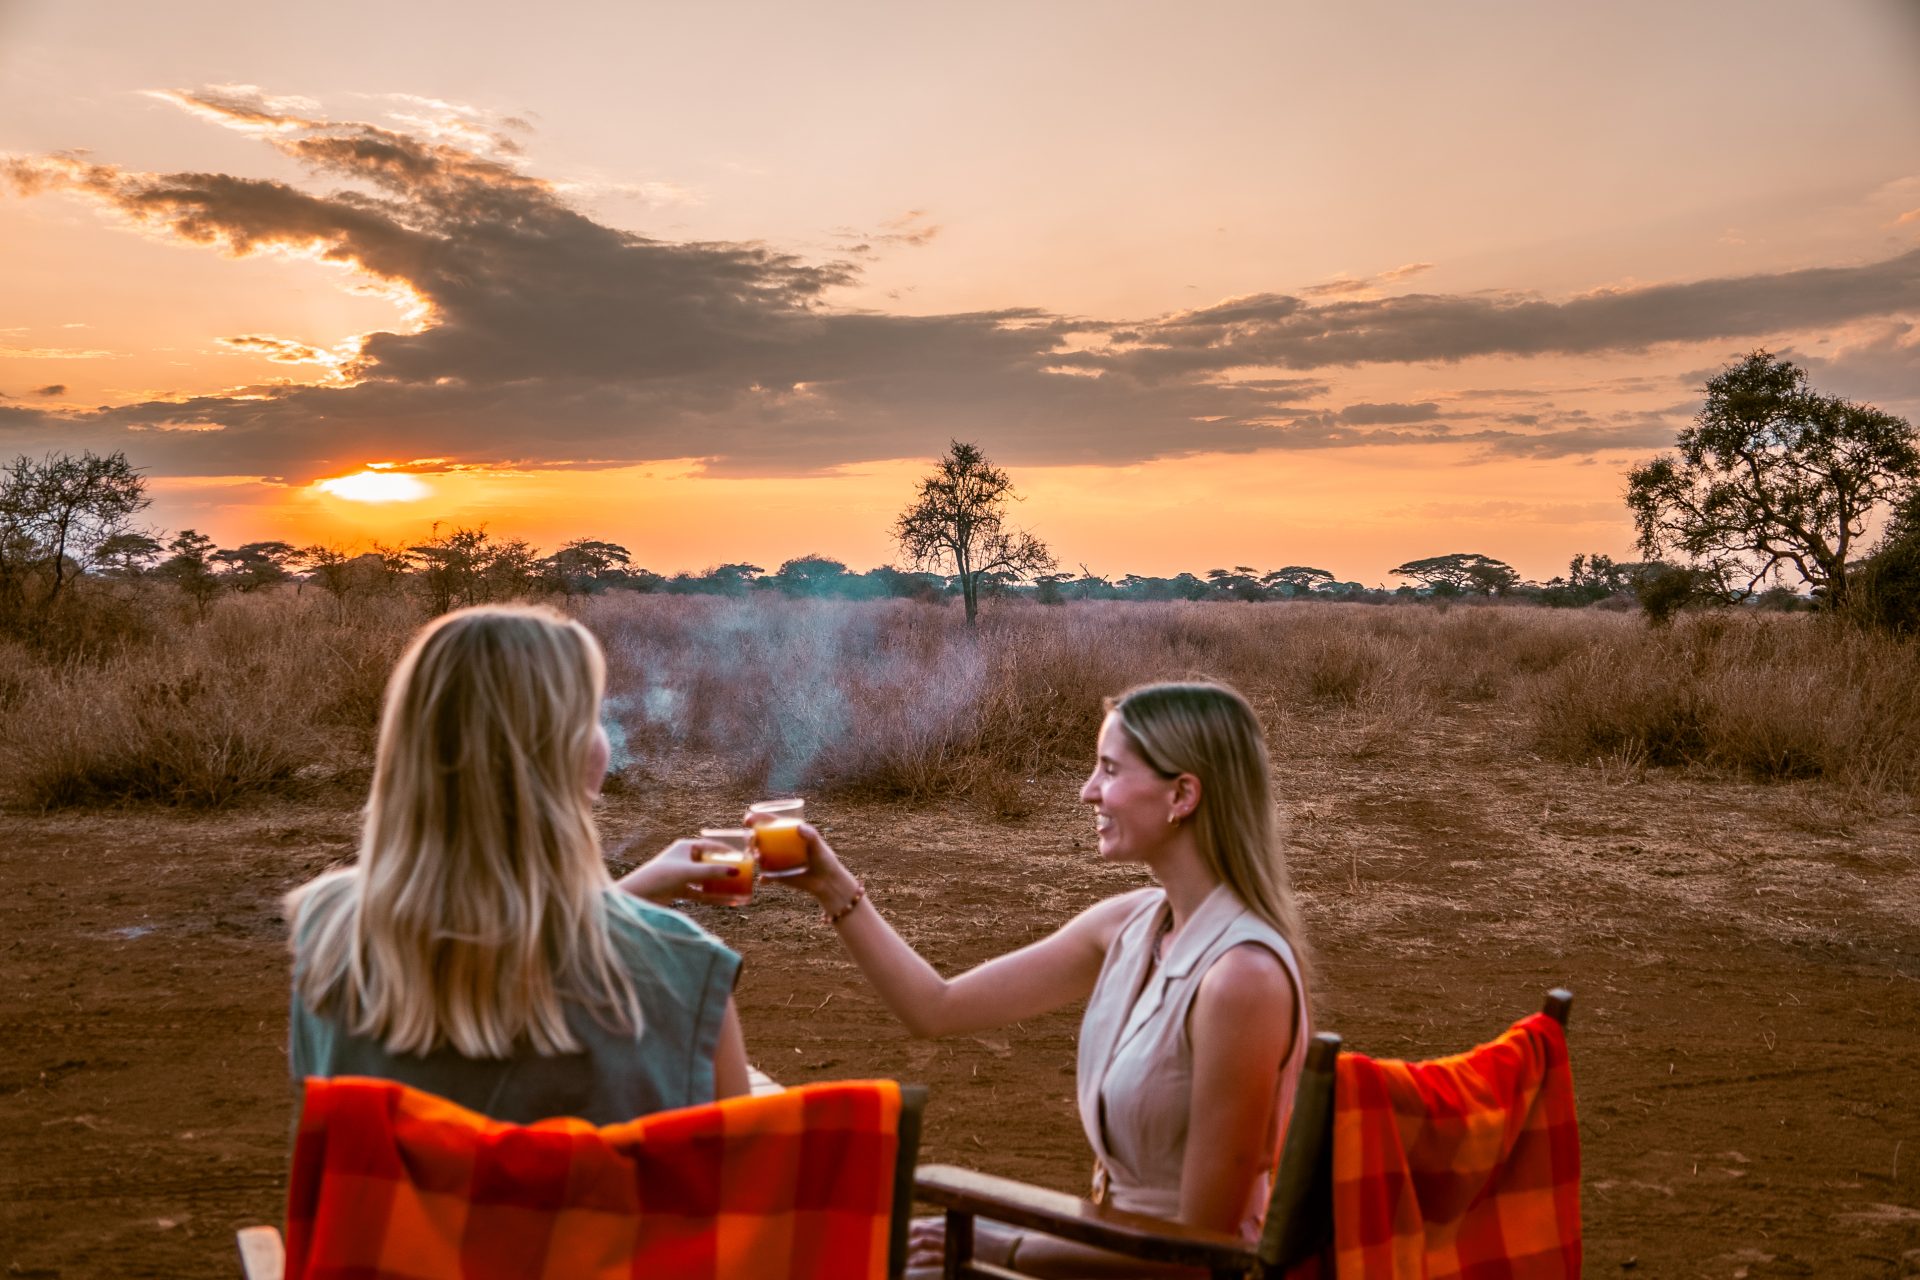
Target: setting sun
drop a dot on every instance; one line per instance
(375, 486)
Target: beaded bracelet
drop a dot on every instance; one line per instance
(859, 892)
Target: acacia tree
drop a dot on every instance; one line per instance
(1460, 573)
(959, 518)
(256, 565)
(1297, 580)
(586, 565)
(189, 565)
(1237, 583)
(127, 555)
(811, 575)
(1772, 474)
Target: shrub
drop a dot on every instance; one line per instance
(1885, 590)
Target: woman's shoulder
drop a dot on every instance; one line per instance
(1107, 919)
(632, 917)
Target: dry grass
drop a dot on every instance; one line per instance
(266, 695)
(1768, 696)
(897, 699)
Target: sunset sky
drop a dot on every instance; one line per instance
(1220, 283)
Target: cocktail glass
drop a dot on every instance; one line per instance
(736, 888)
(781, 844)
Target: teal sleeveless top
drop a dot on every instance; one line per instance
(683, 976)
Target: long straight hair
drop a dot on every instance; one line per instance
(1209, 731)
(476, 910)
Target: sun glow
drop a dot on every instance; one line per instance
(375, 486)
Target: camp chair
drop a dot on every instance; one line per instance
(1299, 1221)
(263, 1252)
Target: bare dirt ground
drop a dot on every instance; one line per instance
(1745, 959)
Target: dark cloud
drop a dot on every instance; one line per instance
(51, 389)
(1882, 369)
(1273, 330)
(1372, 414)
(543, 338)
(1645, 433)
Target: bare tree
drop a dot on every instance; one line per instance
(468, 566)
(346, 576)
(55, 514)
(959, 518)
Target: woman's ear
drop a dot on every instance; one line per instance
(1186, 796)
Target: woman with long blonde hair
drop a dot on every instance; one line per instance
(1196, 1024)
(477, 948)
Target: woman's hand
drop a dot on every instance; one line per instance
(926, 1242)
(824, 877)
(674, 872)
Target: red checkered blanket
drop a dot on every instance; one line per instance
(1466, 1166)
(393, 1184)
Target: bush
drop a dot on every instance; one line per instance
(1885, 591)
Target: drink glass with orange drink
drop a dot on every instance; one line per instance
(778, 839)
(734, 889)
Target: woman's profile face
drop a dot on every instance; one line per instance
(1131, 802)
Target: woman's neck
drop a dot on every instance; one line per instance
(1186, 879)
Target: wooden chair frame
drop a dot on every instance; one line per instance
(1299, 1222)
(263, 1254)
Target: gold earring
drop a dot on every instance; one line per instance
(1173, 819)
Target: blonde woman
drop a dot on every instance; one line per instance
(477, 948)
(1196, 1023)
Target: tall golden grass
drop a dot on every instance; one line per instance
(275, 694)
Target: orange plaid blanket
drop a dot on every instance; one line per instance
(392, 1184)
(1466, 1166)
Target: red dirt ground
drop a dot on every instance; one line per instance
(1745, 959)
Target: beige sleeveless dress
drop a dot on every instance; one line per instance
(1135, 1071)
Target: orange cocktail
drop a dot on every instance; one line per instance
(734, 889)
(778, 838)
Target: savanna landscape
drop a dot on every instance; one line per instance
(1705, 830)
(1318, 339)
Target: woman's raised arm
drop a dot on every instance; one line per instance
(1036, 979)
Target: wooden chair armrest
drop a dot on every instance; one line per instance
(1071, 1218)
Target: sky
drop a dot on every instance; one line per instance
(1218, 283)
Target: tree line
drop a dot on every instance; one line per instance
(1772, 477)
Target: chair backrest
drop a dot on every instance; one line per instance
(1299, 1222)
(388, 1180)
